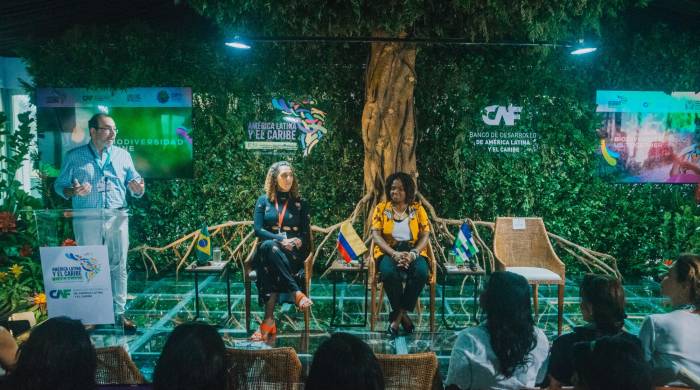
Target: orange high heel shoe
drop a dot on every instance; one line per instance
(264, 332)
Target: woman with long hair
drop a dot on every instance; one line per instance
(193, 358)
(57, 356)
(603, 308)
(671, 341)
(282, 225)
(400, 231)
(507, 351)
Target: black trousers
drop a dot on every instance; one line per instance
(416, 276)
(277, 270)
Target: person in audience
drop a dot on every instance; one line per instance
(671, 341)
(603, 308)
(507, 351)
(344, 362)
(282, 224)
(57, 356)
(400, 231)
(8, 350)
(610, 363)
(193, 358)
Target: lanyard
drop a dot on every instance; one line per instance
(280, 216)
(98, 160)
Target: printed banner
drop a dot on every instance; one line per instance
(294, 125)
(77, 283)
(155, 126)
(649, 137)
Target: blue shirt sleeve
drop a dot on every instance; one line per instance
(132, 174)
(64, 178)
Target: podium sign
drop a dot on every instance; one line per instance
(77, 283)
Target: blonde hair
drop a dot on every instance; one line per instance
(271, 181)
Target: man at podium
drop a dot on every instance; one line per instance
(97, 176)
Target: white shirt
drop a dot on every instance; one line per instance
(672, 339)
(401, 232)
(474, 365)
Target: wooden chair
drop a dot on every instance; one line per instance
(376, 305)
(249, 275)
(277, 368)
(528, 252)
(114, 366)
(409, 372)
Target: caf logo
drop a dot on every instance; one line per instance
(492, 115)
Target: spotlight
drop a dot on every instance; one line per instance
(238, 43)
(582, 48)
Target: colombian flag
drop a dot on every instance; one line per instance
(203, 246)
(350, 245)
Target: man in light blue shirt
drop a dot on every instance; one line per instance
(97, 176)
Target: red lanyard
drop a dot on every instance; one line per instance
(280, 216)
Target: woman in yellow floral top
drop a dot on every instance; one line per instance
(400, 231)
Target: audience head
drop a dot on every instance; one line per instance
(682, 283)
(506, 303)
(603, 302)
(344, 362)
(58, 355)
(194, 357)
(611, 363)
(280, 177)
(402, 181)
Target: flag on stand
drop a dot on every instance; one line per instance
(464, 247)
(350, 245)
(203, 246)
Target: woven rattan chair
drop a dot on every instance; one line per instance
(277, 368)
(528, 252)
(409, 372)
(114, 366)
(377, 290)
(249, 276)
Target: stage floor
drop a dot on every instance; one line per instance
(157, 306)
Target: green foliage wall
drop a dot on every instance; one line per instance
(639, 224)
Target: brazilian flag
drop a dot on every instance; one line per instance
(203, 246)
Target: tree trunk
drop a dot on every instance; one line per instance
(388, 118)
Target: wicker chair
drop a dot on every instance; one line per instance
(409, 372)
(376, 305)
(114, 366)
(249, 275)
(277, 368)
(528, 252)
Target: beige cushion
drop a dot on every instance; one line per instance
(534, 273)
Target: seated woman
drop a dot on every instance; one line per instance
(507, 351)
(193, 358)
(603, 308)
(282, 224)
(400, 231)
(57, 356)
(672, 340)
(344, 362)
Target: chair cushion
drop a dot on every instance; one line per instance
(534, 273)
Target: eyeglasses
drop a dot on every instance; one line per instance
(106, 129)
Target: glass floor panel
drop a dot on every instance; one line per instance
(157, 306)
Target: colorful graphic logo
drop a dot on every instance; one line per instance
(609, 156)
(87, 263)
(308, 119)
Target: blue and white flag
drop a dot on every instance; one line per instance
(464, 247)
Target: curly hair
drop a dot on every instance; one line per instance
(607, 299)
(506, 302)
(271, 181)
(409, 186)
(58, 355)
(688, 270)
(193, 358)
